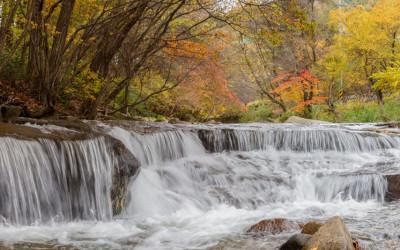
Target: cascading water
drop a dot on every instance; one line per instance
(201, 186)
(44, 180)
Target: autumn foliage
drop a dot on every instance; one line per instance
(302, 90)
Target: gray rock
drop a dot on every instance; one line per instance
(299, 120)
(174, 120)
(213, 122)
(333, 235)
(296, 242)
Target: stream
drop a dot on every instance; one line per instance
(199, 187)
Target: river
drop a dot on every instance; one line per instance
(200, 186)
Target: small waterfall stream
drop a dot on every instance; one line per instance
(44, 180)
(199, 187)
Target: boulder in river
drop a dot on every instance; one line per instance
(274, 226)
(296, 242)
(311, 227)
(333, 235)
(393, 192)
(125, 171)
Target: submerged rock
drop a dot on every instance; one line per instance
(274, 226)
(300, 120)
(311, 227)
(333, 235)
(296, 242)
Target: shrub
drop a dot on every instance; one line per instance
(258, 112)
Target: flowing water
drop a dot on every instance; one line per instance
(200, 186)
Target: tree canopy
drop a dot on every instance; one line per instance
(195, 59)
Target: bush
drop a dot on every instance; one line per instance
(358, 111)
(258, 112)
(321, 112)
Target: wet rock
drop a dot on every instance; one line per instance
(28, 132)
(213, 122)
(73, 124)
(297, 119)
(126, 170)
(311, 227)
(389, 124)
(174, 120)
(393, 192)
(274, 226)
(11, 112)
(296, 242)
(23, 132)
(357, 245)
(35, 246)
(69, 117)
(51, 117)
(333, 235)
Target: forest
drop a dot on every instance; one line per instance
(201, 60)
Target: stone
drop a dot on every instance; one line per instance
(311, 227)
(11, 112)
(333, 235)
(274, 226)
(300, 120)
(393, 192)
(296, 242)
(126, 170)
(174, 120)
(71, 118)
(213, 122)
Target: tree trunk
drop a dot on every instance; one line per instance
(35, 44)
(6, 21)
(379, 96)
(44, 66)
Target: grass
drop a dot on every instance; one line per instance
(356, 111)
(353, 111)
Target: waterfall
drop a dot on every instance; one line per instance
(305, 140)
(43, 180)
(178, 172)
(159, 147)
(199, 186)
